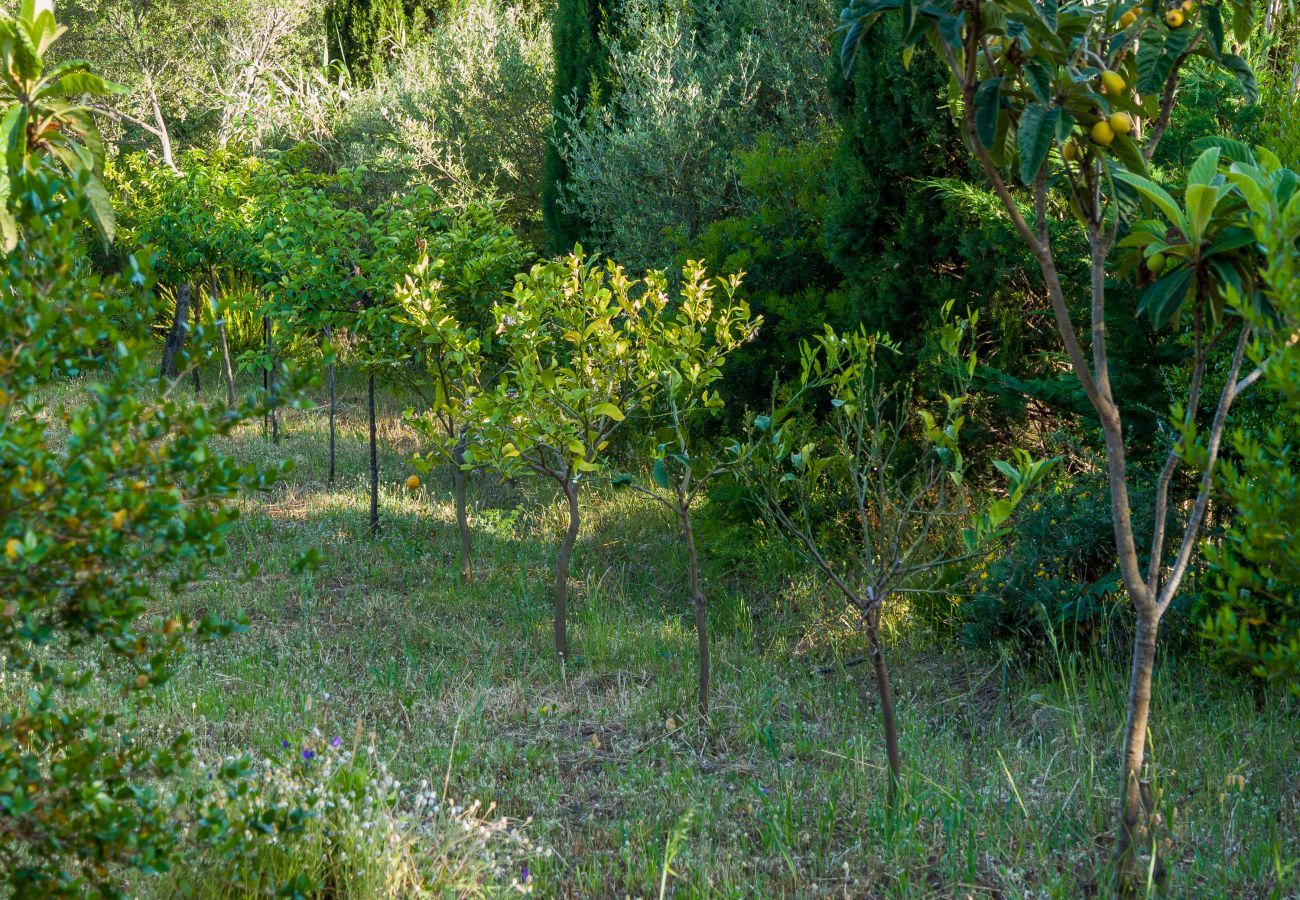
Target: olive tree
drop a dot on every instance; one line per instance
(684, 357)
(1063, 107)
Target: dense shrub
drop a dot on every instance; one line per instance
(467, 110)
(776, 239)
(104, 498)
(689, 86)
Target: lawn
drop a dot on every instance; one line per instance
(603, 763)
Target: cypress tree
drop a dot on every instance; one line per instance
(886, 230)
(580, 71)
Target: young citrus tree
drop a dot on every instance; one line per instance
(317, 242)
(684, 355)
(441, 307)
(574, 337)
(871, 497)
(1063, 107)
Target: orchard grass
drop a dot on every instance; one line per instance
(1009, 789)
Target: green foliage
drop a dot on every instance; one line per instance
(466, 110)
(364, 34)
(689, 85)
(776, 240)
(573, 334)
(42, 123)
(103, 499)
(902, 248)
(578, 85)
(1256, 584)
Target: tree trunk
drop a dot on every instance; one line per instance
(175, 342)
(886, 703)
(701, 610)
(196, 309)
(1132, 802)
(269, 379)
(460, 479)
(160, 127)
(329, 335)
(374, 459)
(226, 371)
(562, 570)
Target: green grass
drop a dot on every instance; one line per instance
(1012, 775)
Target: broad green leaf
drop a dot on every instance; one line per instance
(988, 103)
(1244, 74)
(1205, 167)
(1157, 195)
(609, 411)
(1163, 299)
(1034, 137)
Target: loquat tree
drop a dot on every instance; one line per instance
(1063, 107)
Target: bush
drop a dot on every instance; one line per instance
(352, 830)
(467, 109)
(776, 239)
(105, 496)
(690, 85)
(1058, 575)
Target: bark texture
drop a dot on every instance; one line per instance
(175, 342)
(562, 558)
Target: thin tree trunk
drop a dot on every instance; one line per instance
(196, 308)
(701, 610)
(160, 127)
(886, 703)
(227, 372)
(1135, 736)
(459, 480)
(329, 335)
(374, 459)
(268, 329)
(175, 342)
(562, 571)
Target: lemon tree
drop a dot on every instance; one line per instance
(574, 336)
(685, 352)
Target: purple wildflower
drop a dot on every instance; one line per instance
(284, 744)
(309, 754)
(336, 742)
(524, 874)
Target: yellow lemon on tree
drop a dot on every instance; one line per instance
(1113, 82)
(119, 518)
(1102, 133)
(1120, 122)
(1070, 152)
(413, 482)
(1174, 18)
(11, 548)
(1188, 6)
(1128, 18)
